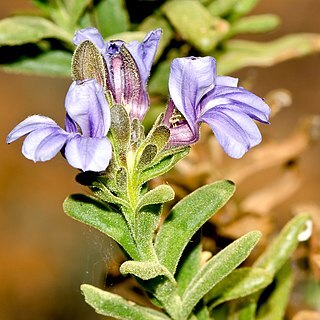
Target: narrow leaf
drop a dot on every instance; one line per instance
(238, 284)
(161, 166)
(217, 268)
(194, 23)
(186, 218)
(112, 305)
(52, 63)
(160, 194)
(242, 7)
(190, 263)
(283, 245)
(97, 214)
(221, 8)
(25, 29)
(254, 24)
(243, 53)
(274, 308)
(145, 270)
(75, 9)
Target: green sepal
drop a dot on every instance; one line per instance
(217, 268)
(146, 270)
(121, 132)
(101, 216)
(112, 305)
(239, 283)
(159, 194)
(186, 217)
(148, 154)
(88, 63)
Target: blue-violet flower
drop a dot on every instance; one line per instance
(83, 142)
(127, 67)
(197, 94)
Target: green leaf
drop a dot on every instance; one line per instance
(112, 305)
(190, 263)
(242, 53)
(238, 284)
(128, 36)
(75, 9)
(145, 270)
(254, 24)
(283, 245)
(194, 23)
(111, 17)
(161, 166)
(274, 308)
(242, 7)
(19, 30)
(160, 194)
(186, 218)
(217, 268)
(272, 260)
(52, 63)
(99, 215)
(158, 83)
(221, 8)
(153, 22)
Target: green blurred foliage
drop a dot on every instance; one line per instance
(42, 43)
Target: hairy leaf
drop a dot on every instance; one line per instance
(187, 217)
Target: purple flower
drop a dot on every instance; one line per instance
(83, 142)
(198, 95)
(127, 66)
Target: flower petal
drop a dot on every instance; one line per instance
(238, 99)
(88, 154)
(87, 106)
(143, 53)
(30, 124)
(226, 81)
(236, 132)
(190, 79)
(44, 143)
(91, 34)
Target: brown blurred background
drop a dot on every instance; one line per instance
(44, 255)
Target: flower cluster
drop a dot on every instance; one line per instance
(196, 95)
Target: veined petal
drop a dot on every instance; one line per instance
(91, 34)
(30, 124)
(236, 132)
(239, 99)
(44, 143)
(190, 79)
(87, 106)
(88, 154)
(143, 53)
(226, 81)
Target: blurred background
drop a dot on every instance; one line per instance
(45, 256)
